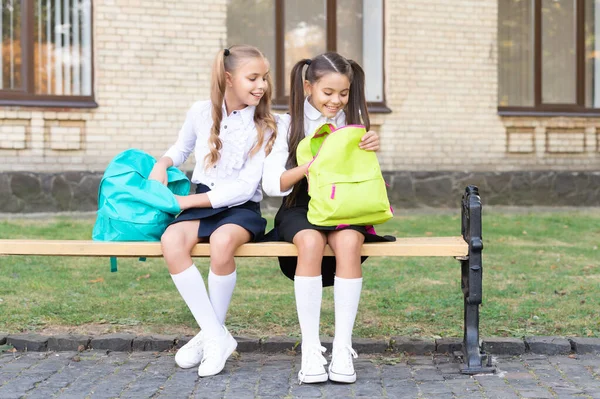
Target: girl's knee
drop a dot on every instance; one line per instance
(222, 243)
(222, 248)
(348, 242)
(170, 239)
(309, 240)
(176, 239)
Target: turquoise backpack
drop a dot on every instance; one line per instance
(131, 207)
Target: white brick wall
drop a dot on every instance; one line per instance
(13, 136)
(153, 60)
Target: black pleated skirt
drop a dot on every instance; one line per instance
(290, 220)
(246, 215)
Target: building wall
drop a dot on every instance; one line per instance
(153, 59)
(441, 68)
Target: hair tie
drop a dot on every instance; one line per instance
(308, 62)
(226, 52)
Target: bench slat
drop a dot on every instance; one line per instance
(414, 246)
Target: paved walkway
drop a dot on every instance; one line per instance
(95, 374)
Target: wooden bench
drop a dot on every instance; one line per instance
(466, 248)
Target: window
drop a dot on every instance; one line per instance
(289, 30)
(46, 53)
(548, 56)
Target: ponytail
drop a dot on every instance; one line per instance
(264, 120)
(358, 113)
(296, 107)
(296, 132)
(217, 94)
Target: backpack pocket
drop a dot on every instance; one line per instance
(343, 199)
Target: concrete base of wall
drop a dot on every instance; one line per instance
(22, 192)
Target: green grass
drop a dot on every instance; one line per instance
(541, 277)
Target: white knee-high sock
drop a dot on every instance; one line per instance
(346, 295)
(309, 293)
(190, 285)
(220, 289)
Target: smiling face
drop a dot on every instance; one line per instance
(329, 94)
(247, 84)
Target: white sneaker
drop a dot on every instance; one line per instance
(312, 370)
(190, 354)
(216, 352)
(341, 368)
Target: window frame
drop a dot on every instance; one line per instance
(539, 108)
(281, 102)
(26, 95)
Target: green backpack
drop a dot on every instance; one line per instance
(131, 207)
(345, 183)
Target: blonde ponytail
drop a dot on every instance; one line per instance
(217, 94)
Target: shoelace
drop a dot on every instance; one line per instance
(314, 355)
(211, 349)
(345, 354)
(196, 341)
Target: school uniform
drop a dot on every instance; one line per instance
(233, 183)
(289, 220)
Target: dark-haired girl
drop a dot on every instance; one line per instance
(326, 89)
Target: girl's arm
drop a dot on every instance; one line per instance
(292, 176)
(274, 166)
(159, 170)
(180, 151)
(193, 201)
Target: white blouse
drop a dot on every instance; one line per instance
(276, 160)
(235, 178)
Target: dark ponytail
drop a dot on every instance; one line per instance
(296, 107)
(357, 113)
(296, 132)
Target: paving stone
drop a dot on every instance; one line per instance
(273, 375)
(68, 342)
(154, 343)
(536, 394)
(28, 342)
(548, 345)
(413, 346)
(113, 342)
(180, 384)
(581, 345)
(503, 346)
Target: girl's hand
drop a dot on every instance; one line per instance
(159, 173)
(370, 141)
(305, 167)
(183, 201)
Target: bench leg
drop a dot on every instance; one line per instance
(475, 361)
